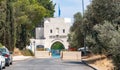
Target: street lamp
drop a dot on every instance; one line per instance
(34, 47)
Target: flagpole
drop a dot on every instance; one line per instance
(59, 11)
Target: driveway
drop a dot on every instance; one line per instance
(47, 64)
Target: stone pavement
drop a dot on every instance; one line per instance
(47, 64)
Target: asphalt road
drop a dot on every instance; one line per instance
(47, 64)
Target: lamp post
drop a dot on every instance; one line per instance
(34, 47)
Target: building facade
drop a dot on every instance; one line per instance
(54, 30)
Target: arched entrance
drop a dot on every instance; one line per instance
(56, 49)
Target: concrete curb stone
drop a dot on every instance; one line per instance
(18, 58)
(89, 65)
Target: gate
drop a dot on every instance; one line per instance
(55, 53)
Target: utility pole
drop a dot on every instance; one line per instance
(84, 29)
(83, 6)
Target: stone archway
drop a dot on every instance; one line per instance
(56, 48)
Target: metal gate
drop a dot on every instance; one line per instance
(55, 53)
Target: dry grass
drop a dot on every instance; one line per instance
(100, 62)
(24, 52)
(16, 52)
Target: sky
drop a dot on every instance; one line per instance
(69, 7)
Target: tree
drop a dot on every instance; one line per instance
(48, 4)
(97, 13)
(102, 25)
(10, 26)
(2, 22)
(7, 25)
(28, 14)
(19, 18)
(76, 36)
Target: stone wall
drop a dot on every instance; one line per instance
(71, 55)
(42, 54)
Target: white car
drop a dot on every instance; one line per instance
(2, 61)
(7, 55)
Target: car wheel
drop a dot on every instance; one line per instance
(0, 67)
(7, 64)
(4, 67)
(11, 63)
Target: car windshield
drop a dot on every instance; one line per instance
(2, 50)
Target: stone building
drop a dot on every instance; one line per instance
(54, 30)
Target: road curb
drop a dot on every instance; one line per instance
(89, 65)
(20, 58)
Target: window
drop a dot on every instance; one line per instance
(50, 30)
(63, 30)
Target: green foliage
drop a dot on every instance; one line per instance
(102, 25)
(1, 45)
(107, 37)
(49, 6)
(101, 10)
(18, 19)
(28, 14)
(2, 21)
(57, 46)
(76, 32)
(115, 52)
(7, 33)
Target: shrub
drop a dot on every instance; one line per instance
(116, 57)
(1, 45)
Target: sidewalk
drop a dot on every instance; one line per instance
(21, 57)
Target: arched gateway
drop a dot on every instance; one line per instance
(56, 48)
(55, 31)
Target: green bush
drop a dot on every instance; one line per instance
(27, 52)
(116, 57)
(1, 45)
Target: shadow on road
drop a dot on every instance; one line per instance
(73, 62)
(76, 62)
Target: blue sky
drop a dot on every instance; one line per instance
(69, 7)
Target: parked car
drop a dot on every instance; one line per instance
(84, 51)
(7, 54)
(2, 61)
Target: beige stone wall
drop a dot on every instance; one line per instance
(71, 55)
(42, 54)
